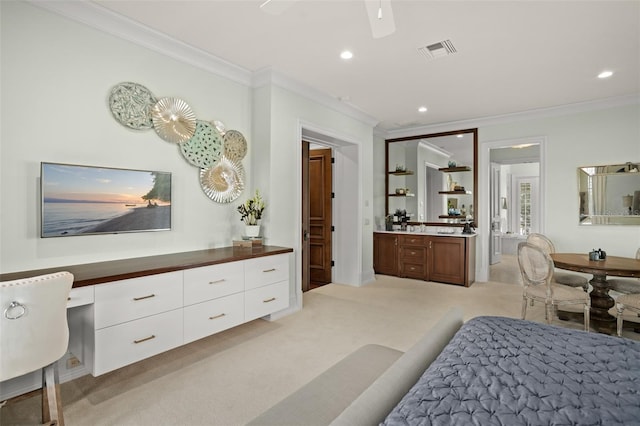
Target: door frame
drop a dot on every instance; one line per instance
(484, 172)
(346, 210)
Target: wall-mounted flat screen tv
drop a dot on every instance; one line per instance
(89, 200)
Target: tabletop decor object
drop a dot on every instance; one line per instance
(224, 182)
(131, 104)
(250, 213)
(205, 147)
(173, 120)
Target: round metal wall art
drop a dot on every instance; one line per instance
(204, 147)
(235, 145)
(224, 182)
(131, 104)
(173, 120)
(219, 125)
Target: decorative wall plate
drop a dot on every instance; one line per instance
(220, 126)
(131, 104)
(205, 147)
(173, 120)
(235, 145)
(224, 182)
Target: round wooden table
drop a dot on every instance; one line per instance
(601, 301)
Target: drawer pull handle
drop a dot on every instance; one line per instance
(269, 270)
(269, 300)
(217, 281)
(144, 297)
(145, 339)
(413, 253)
(218, 316)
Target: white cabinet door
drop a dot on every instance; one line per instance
(266, 300)
(127, 300)
(211, 282)
(133, 341)
(265, 270)
(213, 316)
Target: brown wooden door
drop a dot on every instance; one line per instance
(320, 188)
(305, 216)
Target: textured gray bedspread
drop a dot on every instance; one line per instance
(503, 371)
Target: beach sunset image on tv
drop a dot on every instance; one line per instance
(84, 200)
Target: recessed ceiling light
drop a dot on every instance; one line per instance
(460, 136)
(346, 54)
(605, 74)
(422, 109)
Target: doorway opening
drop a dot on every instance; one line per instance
(515, 204)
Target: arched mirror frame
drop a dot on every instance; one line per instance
(390, 170)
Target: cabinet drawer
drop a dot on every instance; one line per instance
(80, 296)
(413, 270)
(266, 300)
(213, 316)
(133, 341)
(266, 270)
(127, 300)
(211, 282)
(416, 254)
(412, 240)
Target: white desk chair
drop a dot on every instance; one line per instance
(34, 333)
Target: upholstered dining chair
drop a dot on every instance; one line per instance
(625, 285)
(34, 333)
(626, 301)
(565, 278)
(536, 267)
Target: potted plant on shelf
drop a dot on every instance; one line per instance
(250, 213)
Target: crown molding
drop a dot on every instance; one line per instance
(267, 76)
(103, 19)
(574, 108)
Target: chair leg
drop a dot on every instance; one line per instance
(619, 308)
(524, 307)
(51, 401)
(547, 312)
(587, 309)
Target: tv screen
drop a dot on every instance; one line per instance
(89, 200)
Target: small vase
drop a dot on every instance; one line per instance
(252, 230)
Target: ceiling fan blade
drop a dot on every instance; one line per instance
(276, 7)
(380, 17)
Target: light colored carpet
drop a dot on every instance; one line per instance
(231, 377)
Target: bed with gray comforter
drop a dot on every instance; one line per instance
(503, 371)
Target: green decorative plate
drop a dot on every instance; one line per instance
(131, 104)
(235, 145)
(224, 182)
(205, 146)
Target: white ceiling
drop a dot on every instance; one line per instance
(512, 56)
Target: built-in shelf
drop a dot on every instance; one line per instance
(444, 216)
(455, 192)
(455, 169)
(405, 173)
(402, 195)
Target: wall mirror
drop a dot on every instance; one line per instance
(433, 178)
(610, 194)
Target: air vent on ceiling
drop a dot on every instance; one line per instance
(437, 50)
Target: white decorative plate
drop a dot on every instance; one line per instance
(224, 182)
(173, 120)
(131, 104)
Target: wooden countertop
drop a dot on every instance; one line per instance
(115, 270)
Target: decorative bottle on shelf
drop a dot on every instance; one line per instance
(463, 211)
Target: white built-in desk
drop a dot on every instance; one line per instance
(123, 311)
